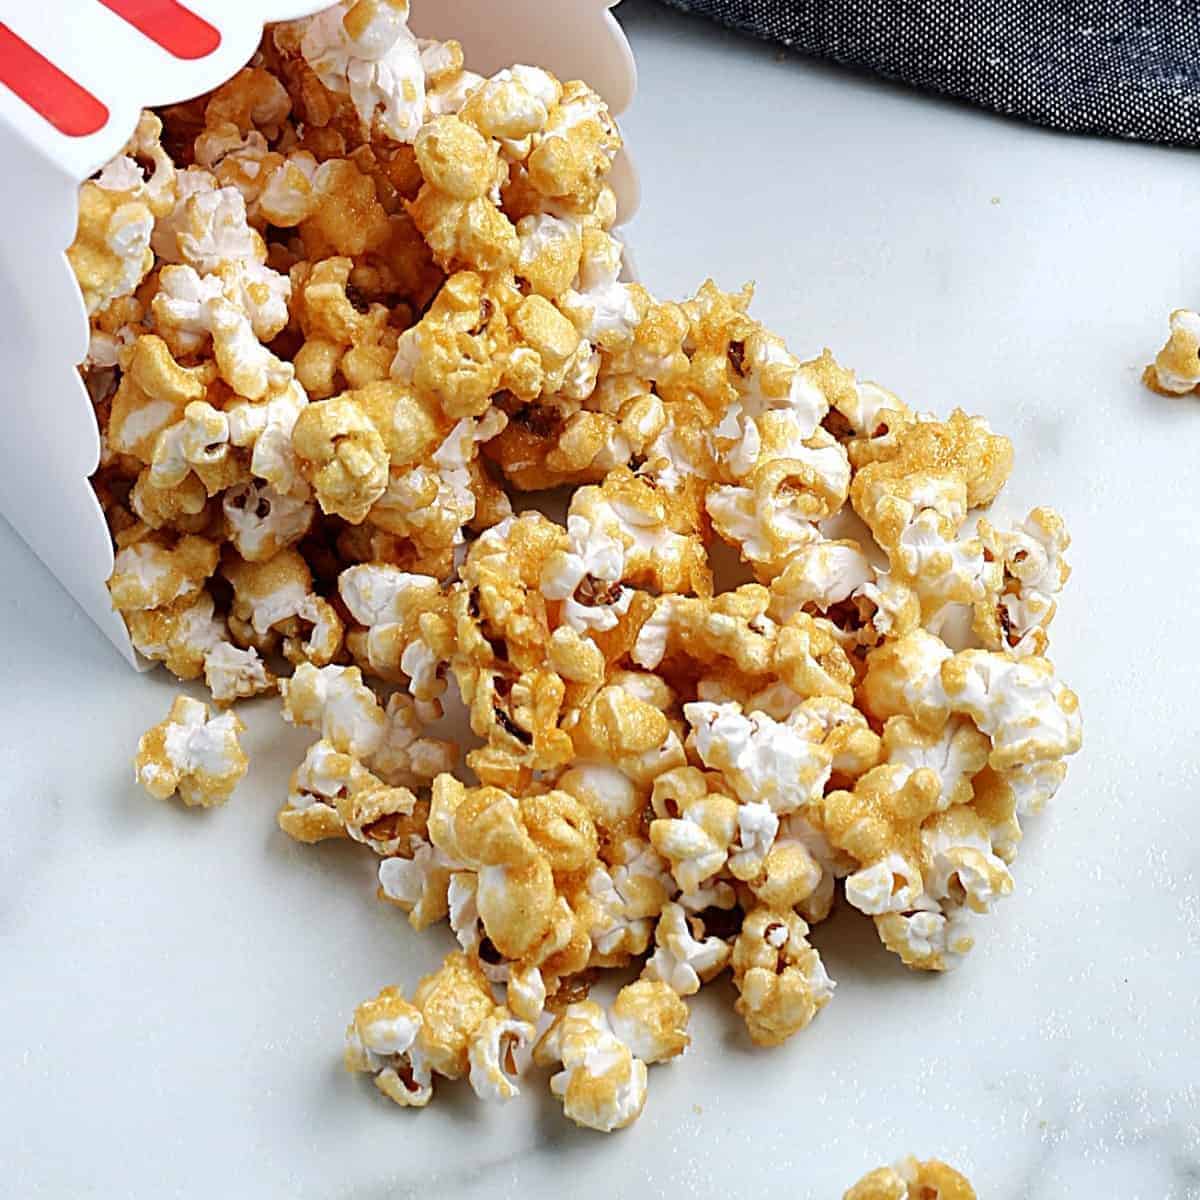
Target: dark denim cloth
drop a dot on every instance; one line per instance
(1115, 67)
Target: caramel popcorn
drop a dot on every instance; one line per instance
(344, 310)
(602, 1084)
(779, 977)
(192, 753)
(912, 1180)
(1176, 370)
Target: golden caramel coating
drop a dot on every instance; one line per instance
(381, 1041)
(912, 1180)
(342, 455)
(1176, 369)
(453, 1002)
(193, 754)
(343, 310)
(779, 977)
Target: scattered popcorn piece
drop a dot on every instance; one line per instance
(381, 1041)
(192, 753)
(912, 1180)
(1176, 370)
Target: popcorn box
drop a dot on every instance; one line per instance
(76, 75)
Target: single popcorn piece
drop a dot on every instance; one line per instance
(363, 48)
(651, 1019)
(912, 1180)
(697, 836)
(602, 1085)
(381, 1041)
(192, 753)
(151, 573)
(494, 1047)
(1176, 370)
(779, 977)
(1034, 571)
(454, 1002)
(684, 958)
(233, 674)
(337, 702)
(342, 455)
(419, 885)
(763, 760)
(334, 795)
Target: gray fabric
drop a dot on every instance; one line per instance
(1119, 68)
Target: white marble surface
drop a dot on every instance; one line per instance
(173, 985)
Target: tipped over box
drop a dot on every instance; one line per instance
(76, 75)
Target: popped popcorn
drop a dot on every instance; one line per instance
(912, 1180)
(602, 1084)
(779, 977)
(192, 753)
(1176, 370)
(343, 311)
(381, 1041)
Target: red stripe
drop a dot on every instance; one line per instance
(176, 29)
(71, 109)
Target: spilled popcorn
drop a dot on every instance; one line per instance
(344, 309)
(912, 1180)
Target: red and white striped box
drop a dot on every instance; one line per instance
(75, 75)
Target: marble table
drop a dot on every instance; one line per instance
(175, 984)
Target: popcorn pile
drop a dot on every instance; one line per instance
(347, 305)
(912, 1180)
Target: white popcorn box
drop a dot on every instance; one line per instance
(76, 75)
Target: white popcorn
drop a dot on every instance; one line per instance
(337, 702)
(595, 564)
(819, 574)
(378, 595)
(207, 227)
(758, 827)
(193, 307)
(461, 899)
(761, 759)
(262, 521)
(493, 1050)
(403, 757)
(289, 194)
(680, 959)
(892, 885)
(962, 868)
(603, 310)
(1034, 572)
(266, 428)
(928, 940)
(199, 441)
(419, 885)
(1019, 703)
(526, 993)
(378, 65)
(233, 674)
(955, 755)
(774, 379)
(618, 924)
